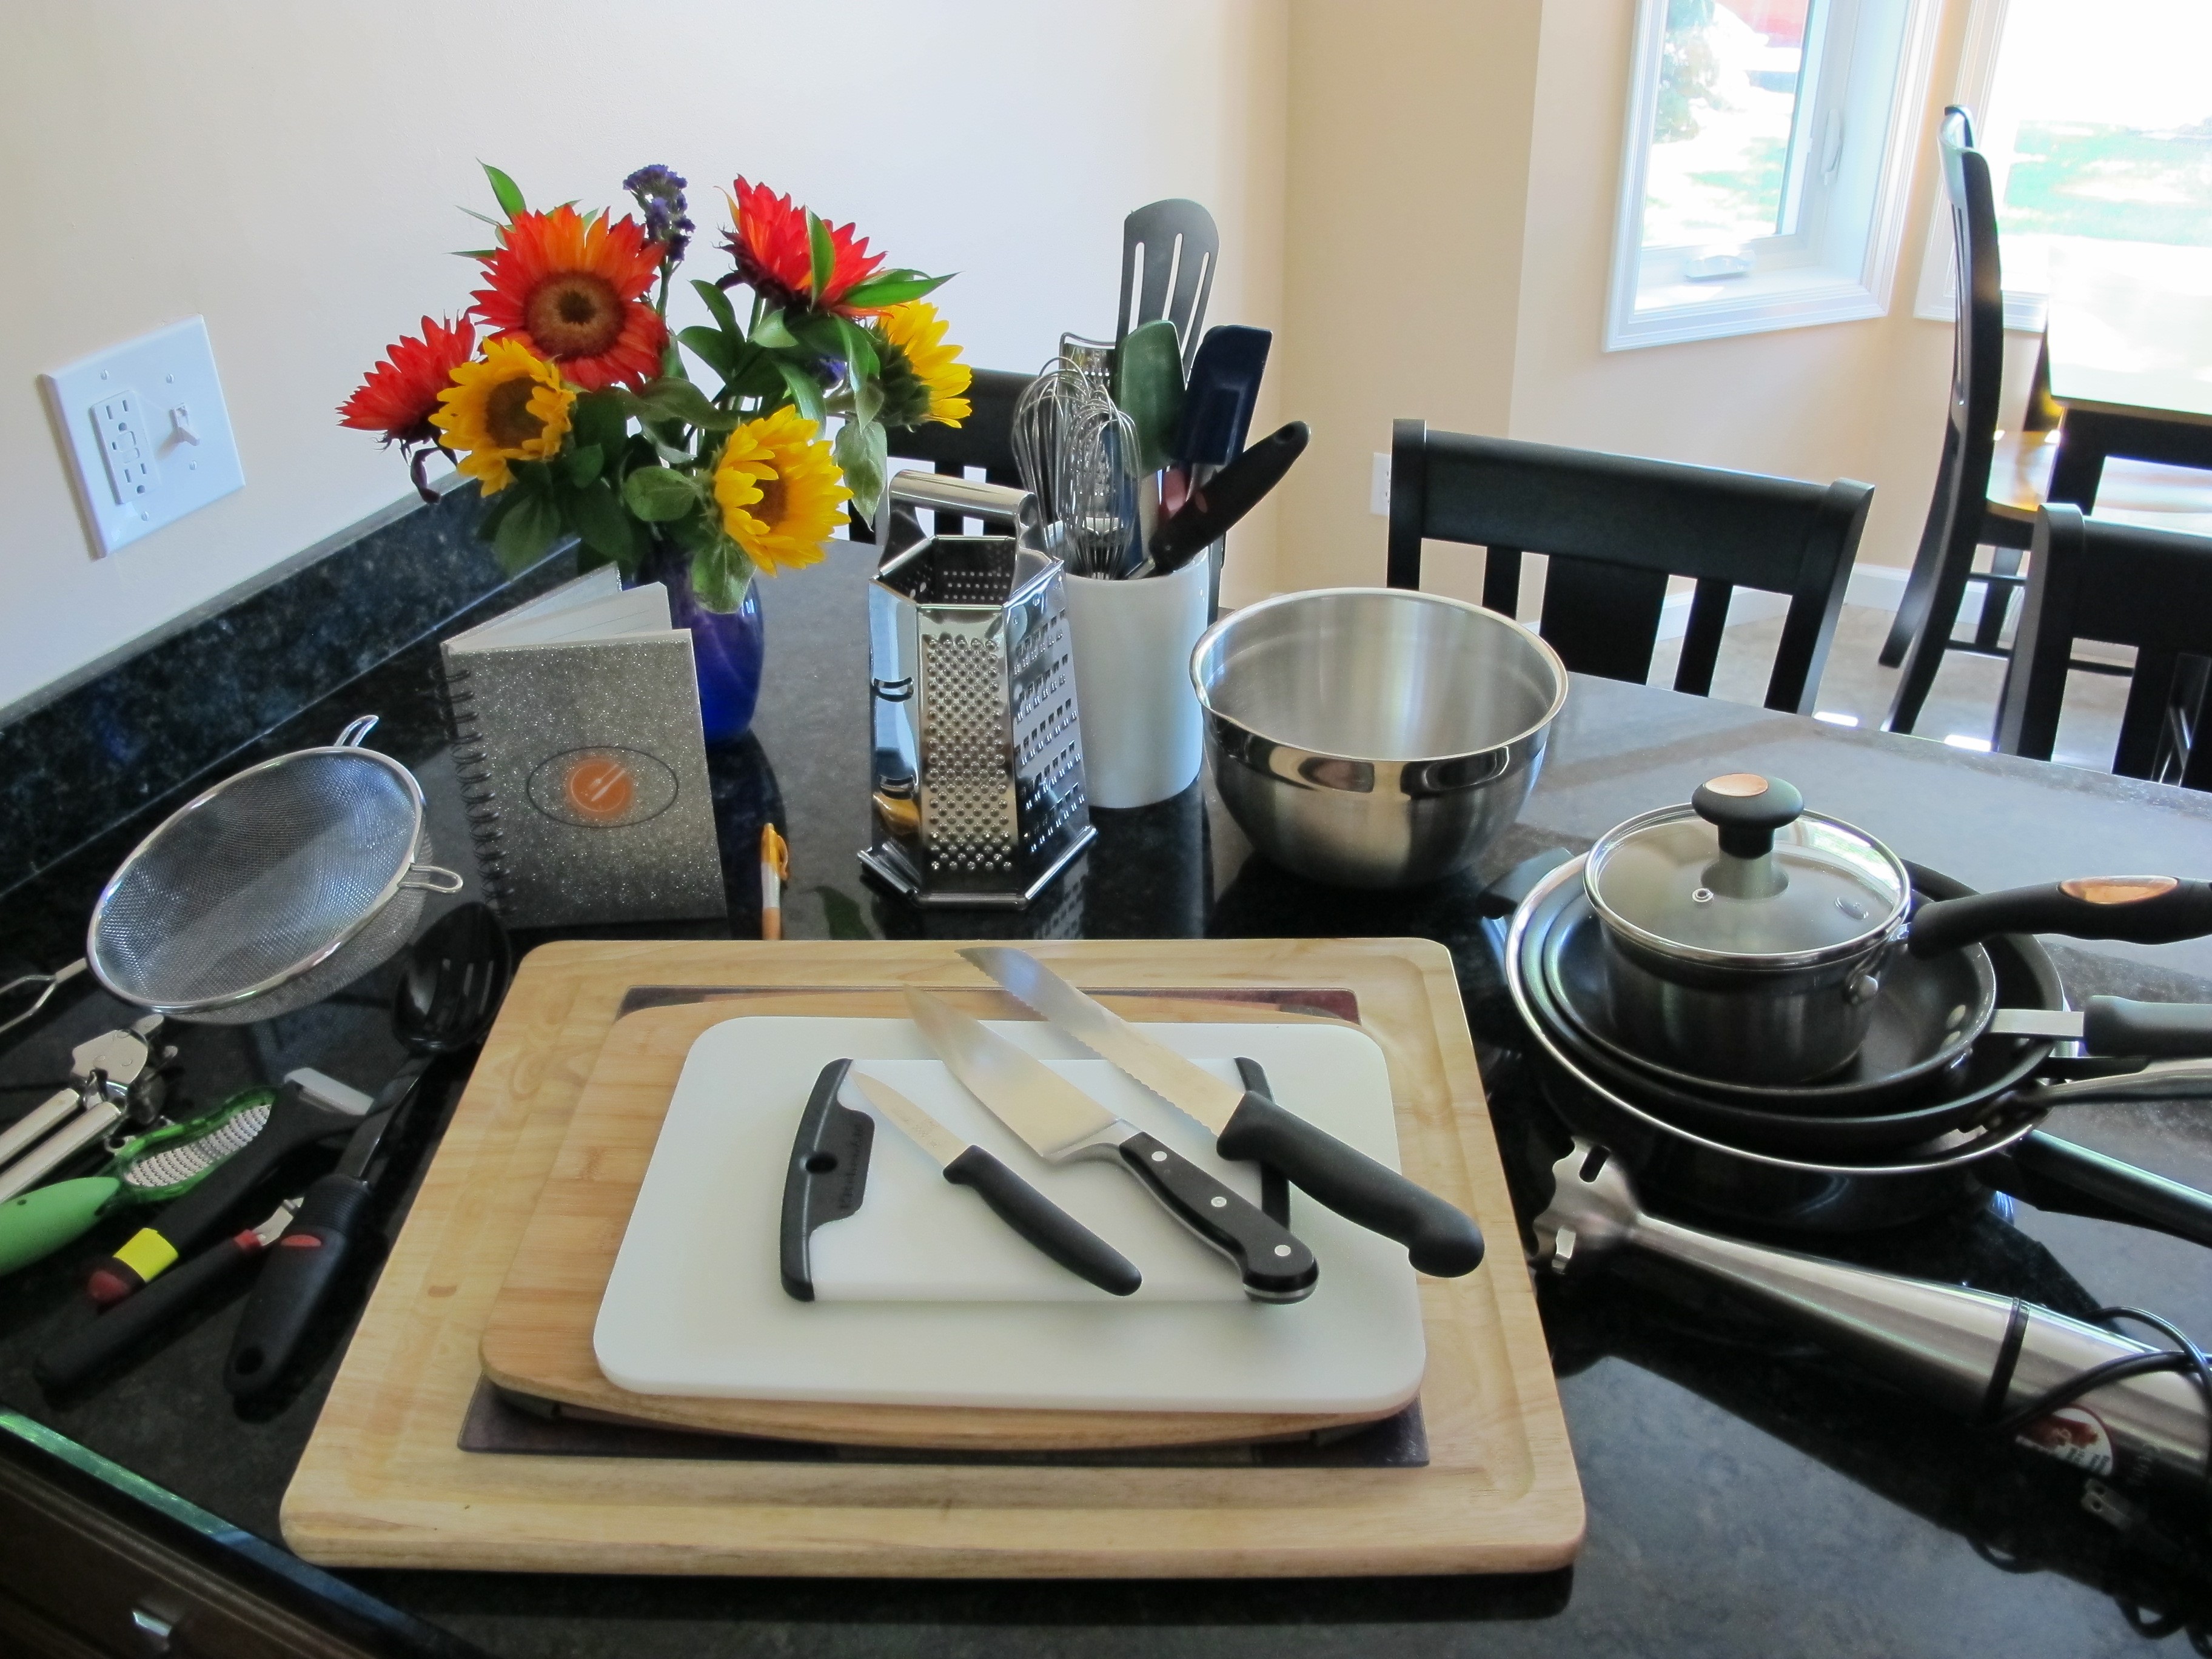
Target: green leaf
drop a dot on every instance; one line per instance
(680, 400)
(527, 533)
(771, 331)
(824, 252)
(659, 494)
(858, 348)
(867, 398)
(488, 521)
(582, 465)
(508, 192)
(724, 314)
(892, 288)
(476, 253)
(720, 573)
(605, 528)
(817, 332)
(600, 422)
(806, 390)
(863, 451)
(713, 348)
(842, 912)
(485, 218)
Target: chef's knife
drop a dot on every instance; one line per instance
(1250, 1125)
(1060, 1122)
(1014, 1201)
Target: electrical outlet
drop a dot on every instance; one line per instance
(146, 432)
(1378, 488)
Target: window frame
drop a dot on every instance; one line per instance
(1839, 263)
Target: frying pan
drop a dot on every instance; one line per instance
(1833, 1191)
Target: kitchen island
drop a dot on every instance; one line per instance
(1747, 1494)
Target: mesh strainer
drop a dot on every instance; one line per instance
(272, 889)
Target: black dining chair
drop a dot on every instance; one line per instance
(1962, 516)
(2124, 584)
(984, 439)
(1615, 528)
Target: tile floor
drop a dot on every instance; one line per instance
(1963, 703)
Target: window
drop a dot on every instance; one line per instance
(1769, 151)
(2097, 121)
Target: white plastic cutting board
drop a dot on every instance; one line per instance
(695, 1305)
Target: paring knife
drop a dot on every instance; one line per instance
(1014, 1201)
(1060, 1122)
(1247, 1125)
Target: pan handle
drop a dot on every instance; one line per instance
(2090, 1183)
(2143, 909)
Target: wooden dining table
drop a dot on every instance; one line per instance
(2128, 354)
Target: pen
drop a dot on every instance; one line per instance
(775, 866)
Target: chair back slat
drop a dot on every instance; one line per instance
(984, 439)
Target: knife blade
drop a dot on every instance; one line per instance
(1060, 1122)
(1012, 1200)
(1247, 1125)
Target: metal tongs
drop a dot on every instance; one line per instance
(112, 1077)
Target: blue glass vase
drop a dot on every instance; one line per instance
(728, 646)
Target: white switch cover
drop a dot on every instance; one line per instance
(145, 431)
(1378, 487)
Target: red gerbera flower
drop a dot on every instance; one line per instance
(401, 392)
(776, 260)
(567, 289)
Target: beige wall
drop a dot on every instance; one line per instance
(290, 168)
(1408, 181)
(1487, 137)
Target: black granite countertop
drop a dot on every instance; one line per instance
(1747, 1494)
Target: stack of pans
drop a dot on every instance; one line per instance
(1729, 1097)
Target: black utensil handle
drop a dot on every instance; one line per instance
(1043, 1223)
(1275, 1266)
(2158, 1030)
(303, 1265)
(1510, 890)
(2133, 1194)
(107, 1338)
(827, 1177)
(2143, 909)
(1225, 499)
(1438, 1238)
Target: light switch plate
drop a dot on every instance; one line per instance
(146, 433)
(1378, 487)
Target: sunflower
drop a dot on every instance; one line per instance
(566, 288)
(510, 407)
(775, 258)
(779, 491)
(401, 392)
(923, 378)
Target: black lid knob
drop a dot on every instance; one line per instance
(1746, 809)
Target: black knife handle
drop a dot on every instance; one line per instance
(1440, 1238)
(303, 1264)
(93, 1346)
(1276, 1267)
(1043, 1223)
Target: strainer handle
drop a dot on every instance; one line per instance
(356, 732)
(432, 878)
(52, 981)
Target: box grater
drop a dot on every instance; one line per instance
(978, 797)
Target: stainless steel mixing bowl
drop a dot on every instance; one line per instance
(1374, 737)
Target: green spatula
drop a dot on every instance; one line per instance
(1148, 385)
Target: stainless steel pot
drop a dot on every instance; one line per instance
(1375, 738)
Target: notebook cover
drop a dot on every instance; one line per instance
(585, 774)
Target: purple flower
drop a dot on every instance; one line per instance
(659, 193)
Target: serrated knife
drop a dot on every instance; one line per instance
(1012, 1200)
(1247, 1125)
(1061, 1123)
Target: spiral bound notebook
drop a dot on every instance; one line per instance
(577, 739)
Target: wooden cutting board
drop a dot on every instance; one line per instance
(537, 1340)
(383, 1483)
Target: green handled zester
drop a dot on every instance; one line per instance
(151, 1168)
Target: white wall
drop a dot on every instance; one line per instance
(291, 170)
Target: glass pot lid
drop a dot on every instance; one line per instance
(1743, 874)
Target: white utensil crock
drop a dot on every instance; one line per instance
(1131, 641)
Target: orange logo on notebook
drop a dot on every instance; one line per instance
(601, 787)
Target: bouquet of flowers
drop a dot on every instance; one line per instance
(577, 410)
